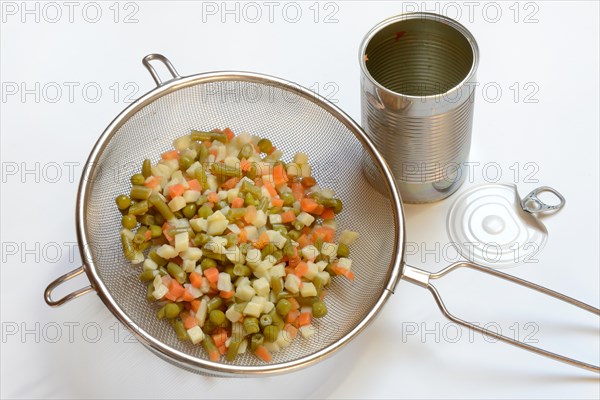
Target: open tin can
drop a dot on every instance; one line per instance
(417, 93)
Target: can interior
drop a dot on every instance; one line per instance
(419, 57)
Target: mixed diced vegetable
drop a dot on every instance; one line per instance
(237, 247)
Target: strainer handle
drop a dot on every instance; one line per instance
(70, 296)
(423, 278)
(159, 57)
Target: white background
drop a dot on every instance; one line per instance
(410, 350)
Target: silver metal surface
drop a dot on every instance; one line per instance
(58, 281)
(532, 203)
(417, 94)
(423, 279)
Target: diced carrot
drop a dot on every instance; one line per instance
(270, 188)
(238, 202)
(152, 182)
(288, 216)
(324, 233)
(190, 322)
(226, 294)
(196, 279)
(195, 185)
(176, 190)
(262, 241)
(308, 205)
(294, 261)
(165, 228)
(229, 133)
(327, 213)
(295, 304)
(304, 241)
(290, 331)
(250, 214)
(258, 181)
(245, 165)
(297, 190)
(214, 152)
(301, 269)
(222, 349)
(230, 183)
(292, 316)
(304, 319)
(148, 235)
(195, 305)
(319, 210)
(207, 144)
(243, 236)
(262, 353)
(212, 275)
(213, 197)
(214, 354)
(175, 290)
(213, 287)
(289, 270)
(277, 202)
(187, 296)
(343, 271)
(170, 155)
(219, 336)
(279, 175)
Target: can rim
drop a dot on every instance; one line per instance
(419, 15)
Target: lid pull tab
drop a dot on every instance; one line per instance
(532, 203)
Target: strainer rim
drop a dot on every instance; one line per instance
(181, 358)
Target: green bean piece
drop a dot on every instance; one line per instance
(229, 270)
(251, 325)
(298, 225)
(289, 249)
(161, 206)
(156, 231)
(178, 214)
(214, 304)
(288, 199)
(343, 250)
(241, 270)
(140, 192)
(294, 234)
(207, 263)
(274, 210)
(172, 310)
(137, 179)
(217, 317)
(146, 168)
(179, 329)
(232, 350)
(147, 219)
(162, 271)
(205, 211)
(263, 204)
(176, 272)
(318, 282)
(276, 285)
(139, 208)
(278, 255)
(144, 246)
(201, 200)
(284, 295)
(239, 307)
(147, 276)
(283, 307)
(159, 219)
(265, 320)
(223, 171)
(265, 145)
(329, 270)
(277, 320)
(281, 229)
(185, 162)
(209, 345)
(256, 340)
(203, 153)
(149, 292)
(189, 210)
(270, 332)
(244, 248)
(235, 213)
(319, 309)
(200, 175)
(249, 187)
(246, 151)
(206, 252)
(201, 239)
(160, 314)
(123, 202)
(201, 136)
(249, 200)
(269, 249)
(337, 206)
(140, 235)
(308, 301)
(128, 221)
(156, 258)
(319, 243)
(128, 248)
(252, 172)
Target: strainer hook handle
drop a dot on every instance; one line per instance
(423, 278)
(159, 57)
(57, 282)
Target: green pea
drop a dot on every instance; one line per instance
(128, 221)
(123, 202)
(217, 317)
(283, 307)
(137, 179)
(343, 250)
(270, 332)
(205, 211)
(265, 145)
(172, 310)
(251, 325)
(208, 263)
(147, 276)
(319, 309)
(156, 231)
(214, 304)
(189, 210)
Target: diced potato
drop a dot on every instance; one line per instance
(159, 292)
(322, 265)
(307, 331)
(277, 271)
(149, 264)
(192, 253)
(191, 196)
(191, 171)
(345, 263)
(188, 266)
(232, 314)
(245, 292)
(312, 271)
(293, 170)
(202, 311)
(196, 335)
(325, 278)
(269, 305)
(253, 257)
(292, 283)
(216, 224)
(276, 238)
(232, 161)
(275, 219)
(212, 182)
(177, 203)
(309, 252)
(253, 310)
(224, 282)
(232, 194)
(300, 158)
(167, 251)
(261, 286)
(182, 143)
(348, 237)
(308, 290)
(234, 255)
(306, 170)
(251, 232)
(329, 249)
(260, 220)
(182, 241)
(305, 218)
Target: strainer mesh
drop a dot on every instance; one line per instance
(293, 122)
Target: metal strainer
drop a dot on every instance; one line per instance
(295, 119)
